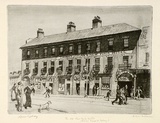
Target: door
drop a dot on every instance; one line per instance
(87, 88)
(123, 84)
(68, 89)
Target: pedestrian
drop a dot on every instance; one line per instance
(13, 92)
(28, 91)
(108, 94)
(94, 90)
(117, 96)
(126, 94)
(33, 89)
(98, 90)
(138, 93)
(19, 96)
(132, 92)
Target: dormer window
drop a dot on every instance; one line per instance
(45, 52)
(37, 53)
(70, 48)
(61, 49)
(98, 47)
(110, 44)
(28, 53)
(79, 48)
(88, 47)
(125, 42)
(53, 51)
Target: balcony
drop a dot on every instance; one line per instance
(43, 71)
(35, 71)
(108, 69)
(69, 70)
(124, 66)
(51, 71)
(77, 69)
(26, 71)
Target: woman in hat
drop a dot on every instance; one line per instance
(28, 91)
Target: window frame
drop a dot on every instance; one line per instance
(110, 45)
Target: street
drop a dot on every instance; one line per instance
(79, 105)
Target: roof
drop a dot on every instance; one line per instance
(82, 34)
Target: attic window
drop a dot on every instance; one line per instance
(37, 53)
(79, 48)
(61, 50)
(98, 47)
(53, 50)
(70, 48)
(28, 53)
(88, 47)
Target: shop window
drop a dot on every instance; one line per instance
(35, 70)
(110, 61)
(97, 64)
(87, 64)
(51, 70)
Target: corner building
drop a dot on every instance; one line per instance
(74, 61)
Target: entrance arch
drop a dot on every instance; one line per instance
(126, 78)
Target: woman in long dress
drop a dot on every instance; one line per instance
(28, 91)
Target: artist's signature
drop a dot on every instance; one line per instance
(28, 116)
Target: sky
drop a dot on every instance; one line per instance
(23, 22)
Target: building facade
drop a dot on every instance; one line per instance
(72, 63)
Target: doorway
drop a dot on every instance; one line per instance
(68, 89)
(78, 88)
(87, 88)
(124, 83)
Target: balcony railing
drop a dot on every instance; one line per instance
(43, 71)
(26, 71)
(124, 66)
(51, 71)
(108, 69)
(35, 71)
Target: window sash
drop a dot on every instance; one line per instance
(126, 43)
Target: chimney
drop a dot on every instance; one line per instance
(71, 27)
(40, 33)
(96, 22)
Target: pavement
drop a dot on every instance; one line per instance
(73, 104)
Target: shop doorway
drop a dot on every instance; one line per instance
(68, 89)
(87, 88)
(78, 88)
(124, 83)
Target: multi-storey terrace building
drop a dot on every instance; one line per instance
(74, 61)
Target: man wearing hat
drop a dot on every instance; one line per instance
(28, 91)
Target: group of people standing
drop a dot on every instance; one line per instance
(18, 91)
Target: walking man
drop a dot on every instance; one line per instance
(117, 96)
(28, 91)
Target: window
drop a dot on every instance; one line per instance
(35, 71)
(87, 64)
(79, 64)
(147, 57)
(61, 65)
(79, 48)
(70, 48)
(44, 69)
(70, 62)
(28, 53)
(37, 53)
(125, 59)
(98, 47)
(110, 44)
(97, 64)
(61, 50)
(110, 60)
(88, 47)
(53, 51)
(51, 70)
(126, 43)
(45, 52)
(27, 65)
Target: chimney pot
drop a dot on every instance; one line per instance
(96, 22)
(40, 33)
(71, 27)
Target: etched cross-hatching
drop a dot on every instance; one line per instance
(74, 59)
